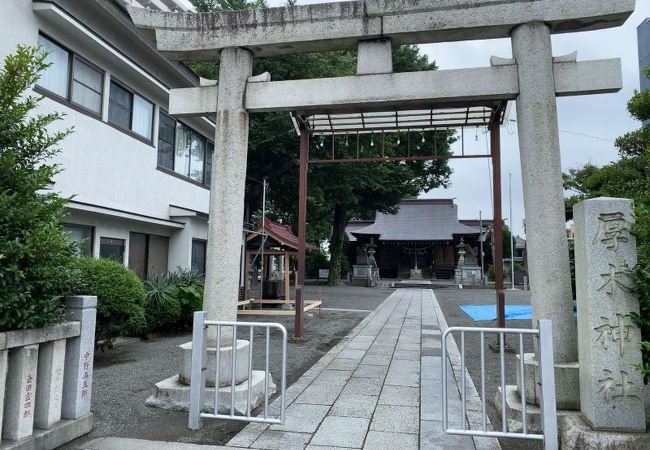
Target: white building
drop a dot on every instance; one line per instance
(140, 179)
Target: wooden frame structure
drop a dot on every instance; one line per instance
(487, 113)
(284, 244)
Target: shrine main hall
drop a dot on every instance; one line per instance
(423, 233)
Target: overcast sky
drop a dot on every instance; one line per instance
(602, 116)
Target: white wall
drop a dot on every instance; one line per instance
(17, 25)
(102, 165)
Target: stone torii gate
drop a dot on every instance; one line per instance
(533, 78)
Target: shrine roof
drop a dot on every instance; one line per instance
(419, 220)
(279, 232)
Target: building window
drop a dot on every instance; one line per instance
(71, 78)
(87, 86)
(198, 256)
(166, 140)
(184, 150)
(190, 153)
(130, 111)
(56, 77)
(208, 164)
(81, 234)
(111, 248)
(148, 254)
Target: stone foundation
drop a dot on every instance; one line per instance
(225, 368)
(174, 395)
(514, 412)
(575, 433)
(567, 383)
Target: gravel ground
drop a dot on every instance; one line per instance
(124, 376)
(450, 300)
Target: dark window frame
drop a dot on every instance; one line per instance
(205, 253)
(129, 130)
(113, 239)
(92, 234)
(72, 58)
(172, 171)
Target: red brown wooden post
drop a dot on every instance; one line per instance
(302, 232)
(495, 140)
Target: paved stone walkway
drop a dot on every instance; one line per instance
(379, 388)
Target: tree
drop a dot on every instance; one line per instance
(627, 177)
(35, 255)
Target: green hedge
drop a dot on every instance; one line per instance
(120, 297)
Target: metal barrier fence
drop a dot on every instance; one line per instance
(546, 374)
(198, 374)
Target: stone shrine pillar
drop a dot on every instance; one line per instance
(611, 389)
(222, 273)
(228, 183)
(548, 260)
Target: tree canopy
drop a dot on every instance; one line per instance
(337, 192)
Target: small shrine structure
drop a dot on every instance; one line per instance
(267, 261)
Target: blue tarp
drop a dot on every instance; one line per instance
(489, 312)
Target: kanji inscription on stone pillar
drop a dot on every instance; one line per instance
(611, 395)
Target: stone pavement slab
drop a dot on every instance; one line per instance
(380, 440)
(342, 432)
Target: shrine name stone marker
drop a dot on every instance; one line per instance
(611, 389)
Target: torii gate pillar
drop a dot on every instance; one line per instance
(548, 260)
(228, 179)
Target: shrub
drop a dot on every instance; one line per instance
(641, 276)
(190, 295)
(120, 297)
(35, 255)
(162, 307)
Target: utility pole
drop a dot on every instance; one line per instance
(512, 237)
(482, 236)
(264, 184)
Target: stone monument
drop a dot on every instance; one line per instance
(365, 271)
(467, 271)
(611, 389)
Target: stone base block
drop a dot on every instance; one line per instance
(55, 436)
(514, 412)
(174, 395)
(575, 433)
(567, 383)
(225, 368)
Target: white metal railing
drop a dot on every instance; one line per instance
(198, 373)
(546, 374)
